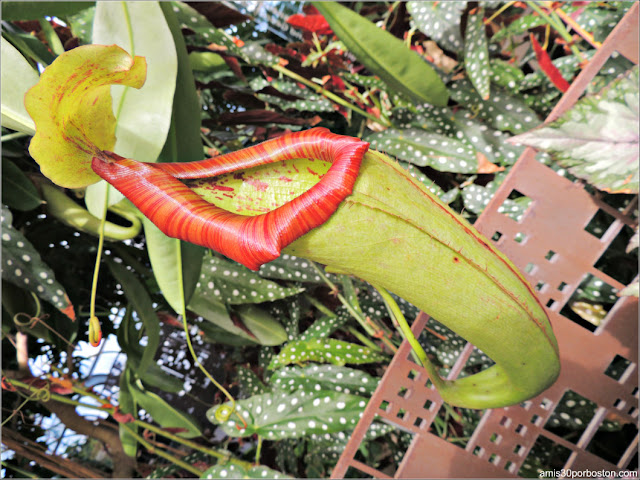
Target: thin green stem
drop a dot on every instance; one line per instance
(498, 12)
(162, 453)
(259, 449)
(407, 334)
(11, 136)
(330, 95)
(557, 24)
(364, 340)
(19, 470)
(96, 270)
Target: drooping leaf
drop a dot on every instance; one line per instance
(142, 116)
(476, 53)
(440, 21)
(597, 139)
(164, 414)
(324, 377)
(279, 415)
(549, 69)
(234, 284)
(139, 298)
(263, 326)
(17, 77)
(232, 470)
(324, 350)
(72, 128)
(385, 55)
(17, 190)
(23, 266)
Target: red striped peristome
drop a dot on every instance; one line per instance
(179, 212)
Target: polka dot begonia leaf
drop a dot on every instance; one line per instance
(165, 471)
(422, 178)
(324, 377)
(232, 470)
(279, 415)
(476, 53)
(291, 321)
(374, 307)
(23, 266)
(567, 65)
(439, 21)
(265, 355)
(324, 350)
(290, 267)
(249, 383)
(424, 148)
(326, 325)
(502, 111)
(234, 284)
(81, 24)
(308, 101)
(476, 198)
(254, 54)
(366, 81)
(599, 20)
(506, 75)
(597, 139)
(593, 289)
(518, 26)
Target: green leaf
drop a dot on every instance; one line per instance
(164, 414)
(290, 267)
(476, 53)
(519, 26)
(139, 298)
(279, 415)
(231, 470)
(597, 139)
(143, 116)
(440, 21)
(17, 190)
(307, 100)
(422, 178)
(73, 127)
(422, 148)
(23, 266)
(324, 350)
(326, 325)
(501, 111)
(385, 55)
(249, 383)
(506, 75)
(126, 404)
(324, 377)
(267, 330)
(32, 10)
(17, 77)
(154, 376)
(81, 24)
(234, 284)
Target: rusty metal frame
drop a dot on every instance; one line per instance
(554, 222)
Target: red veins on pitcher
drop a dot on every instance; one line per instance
(179, 212)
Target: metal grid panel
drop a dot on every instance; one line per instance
(557, 253)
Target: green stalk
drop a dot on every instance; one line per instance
(330, 95)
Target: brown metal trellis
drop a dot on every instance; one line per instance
(557, 253)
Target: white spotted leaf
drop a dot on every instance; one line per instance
(307, 100)
(324, 350)
(440, 21)
(502, 111)
(424, 148)
(234, 284)
(23, 266)
(326, 325)
(232, 470)
(278, 415)
(249, 383)
(518, 26)
(290, 267)
(506, 75)
(597, 139)
(324, 377)
(476, 53)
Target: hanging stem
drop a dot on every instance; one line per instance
(258, 449)
(330, 95)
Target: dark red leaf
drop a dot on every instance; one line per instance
(549, 69)
(310, 23)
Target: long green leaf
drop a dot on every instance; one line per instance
(17, 77)
(127, 405)
(141, 302)
(32, 10)
(17, 190)
(385, 55)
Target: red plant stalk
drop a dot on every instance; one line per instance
(549, 69)
(179, 212)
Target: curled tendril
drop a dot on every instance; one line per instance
(30, 321)
(224, 412)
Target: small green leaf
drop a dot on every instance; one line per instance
(267, 330)
(324, 377)
(279, 415)
(17, 77)
(234, 284)
(440, 21)
(23, 266)
(232, 470)
(139, 298)
(597, 139)
(18, 191)
(164, 414)
(325, 350)
(385, 55)
(476, 53)
(249, 383)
